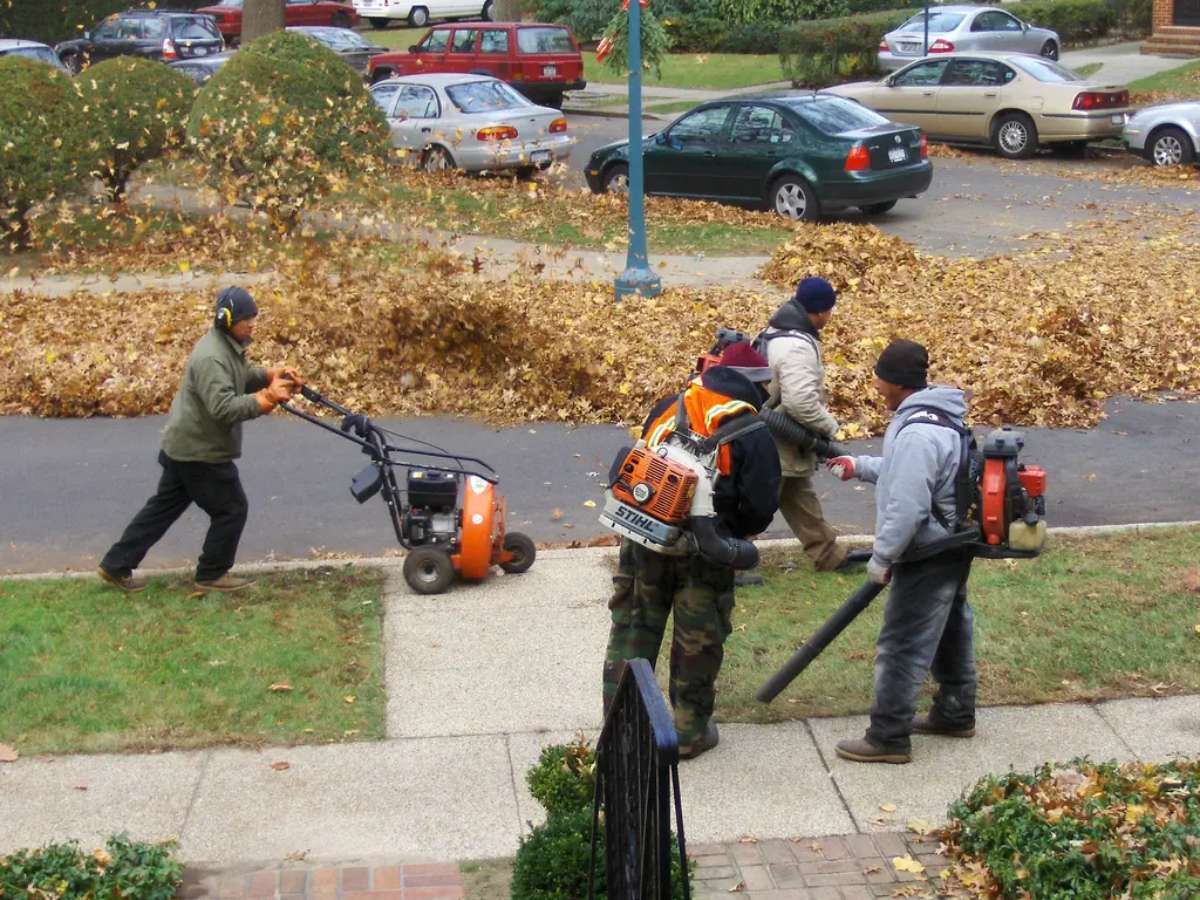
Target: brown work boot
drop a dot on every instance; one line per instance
(862, 750)
(128, 583)
(708, 740)
(226, 583)
(927, 725)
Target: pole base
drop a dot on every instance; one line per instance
(637, 280)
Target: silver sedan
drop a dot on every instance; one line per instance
(965, 28)
(470, 122)
(1167, 135)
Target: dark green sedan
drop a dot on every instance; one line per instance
(802, 155)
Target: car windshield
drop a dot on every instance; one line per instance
(197, 29)
(1044, 69)
(484, 96)
(42, 54)
(939, 22)
(834, 115)
(544, 40)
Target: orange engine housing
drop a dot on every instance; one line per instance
(666, 487)
(1034, 480)
(991, 516)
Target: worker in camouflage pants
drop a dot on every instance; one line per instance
(649, 585)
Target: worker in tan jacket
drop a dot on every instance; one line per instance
(792, 345)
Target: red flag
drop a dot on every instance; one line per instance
(642, 3)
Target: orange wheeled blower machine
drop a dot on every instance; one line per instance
(448, 514)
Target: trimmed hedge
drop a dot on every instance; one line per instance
(51, 21)
(125, 868)
(284, 122)
(135, 110)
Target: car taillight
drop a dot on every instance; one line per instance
(883, 46)
(169, 51)
(941, 45)
(496, 133)
(558, 126)
(858, 159)
(1098, 100)
(924, 146)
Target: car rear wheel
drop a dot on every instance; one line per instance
(339, 20)
(73, 62)
(878, 209)
(418, 17)
(437, 159)
(380, 75)
(1015, 136)
(1050, 50)
(616, 179)
(1170, 147)
(793, 198)
(489, 12)
(379, 24)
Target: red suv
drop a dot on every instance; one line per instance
(541, 61)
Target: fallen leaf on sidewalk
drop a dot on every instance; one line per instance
(590, 504)
(906, 863)
(888, 807)
(747, 839)
(281, 766)
(279, 687)
(919, 826)
(81, 786)
(296, 856)
(738, 888)
(8, 754)
(556, 514)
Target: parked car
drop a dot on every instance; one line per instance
(381, 13)
(228, 14)
(346, 43)
(963, 28)
(470, 122)
(1014, 101)
(201, 68)
(155, 34)
(1167, 135)
(541, 61)
(30, 50)
(800, 155)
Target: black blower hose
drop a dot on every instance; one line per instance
(789, 431)
(719, 547)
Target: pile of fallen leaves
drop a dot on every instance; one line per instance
(1083, 830)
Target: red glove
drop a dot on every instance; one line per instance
(842, 467)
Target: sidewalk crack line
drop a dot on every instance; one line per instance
(828, 771)
(187, 816)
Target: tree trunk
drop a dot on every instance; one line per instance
(508, 10)
(261, 17)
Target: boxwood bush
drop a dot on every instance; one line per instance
(42, 142)
(284, 122)
(124, 868)
(135, 110)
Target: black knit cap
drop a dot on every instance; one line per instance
(904, 363)
(239, 303)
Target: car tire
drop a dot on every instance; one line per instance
(615, 179)
(418, 17)
(437, 159)
(73, 62)
(554, 101)
(380, 75)
(339, 20)
(379, 24)
(428, 570)
(489, 12)
(525, 173)
(524, 552)
(1075, 149)
(1049, 50)
(878, 209)
(1170, 146)
(794, 198)
(1015, 136)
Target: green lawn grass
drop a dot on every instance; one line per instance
(85, 668)
(1089, 70)
(394, 37)
(1182, 80)
(706, 71)
(1090, 619)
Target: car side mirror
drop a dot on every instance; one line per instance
(414, 49)
(1024, 26)
(890, 81)
(660, 138)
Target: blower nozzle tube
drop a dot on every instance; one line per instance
(788, 430)
(719, 547)
(822, 638)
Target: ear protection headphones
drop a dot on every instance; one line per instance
(224, 312)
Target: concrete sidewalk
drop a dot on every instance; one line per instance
(470, 708)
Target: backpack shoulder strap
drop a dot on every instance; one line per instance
(739, 427)
(964, 486)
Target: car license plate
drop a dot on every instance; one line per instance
(910, 48)
(540, 157)
(897, 154)
(549, 71)
(201, 51)
(1119, 119)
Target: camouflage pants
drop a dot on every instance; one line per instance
(647, 588)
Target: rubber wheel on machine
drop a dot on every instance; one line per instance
(428, 570)
(523, 550)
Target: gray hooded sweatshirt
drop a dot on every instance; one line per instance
(916, 470)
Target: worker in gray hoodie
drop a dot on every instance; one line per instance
(927, 623)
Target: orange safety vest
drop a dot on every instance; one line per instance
(706, 411)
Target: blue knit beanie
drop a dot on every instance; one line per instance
(815, 294)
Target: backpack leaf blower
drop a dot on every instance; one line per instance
(1002, 508)
(448, 514)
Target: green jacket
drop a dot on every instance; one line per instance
(214, 398)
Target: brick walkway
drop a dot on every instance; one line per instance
(849, 867)
(349, 882)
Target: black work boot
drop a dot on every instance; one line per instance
(855, 560)
(931, 725)
(707, 741)
(864, 750)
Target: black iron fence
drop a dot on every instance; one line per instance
(637, 763)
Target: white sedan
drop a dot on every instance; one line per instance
(470, 122)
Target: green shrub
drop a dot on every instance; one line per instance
(284, 122)
(564, 778)
(51, 21)
(41, 141)
(1084, 831)
(749, 37)
(829, 50)
(124, 868)
(782, 11)
(1076, 21)
(135, 110)
(1134, 17)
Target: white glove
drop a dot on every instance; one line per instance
(842, 467)
(878, 572)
